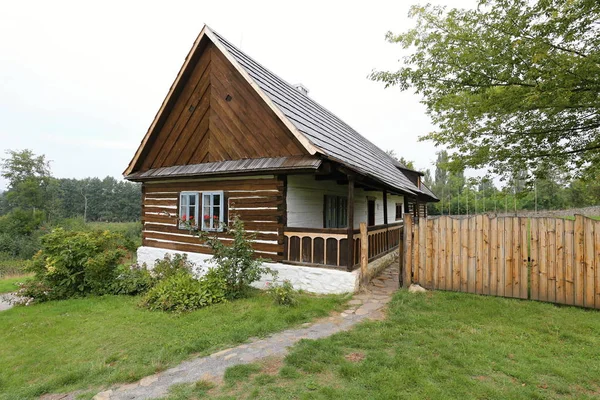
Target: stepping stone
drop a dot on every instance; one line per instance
(230, 356)
(149, 380)
(355, 302)
(220, 353)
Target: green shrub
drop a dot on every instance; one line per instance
(282, 294)
(133, 280)
(170, 266)
(74, 264)
(182, 292)
(236, 262)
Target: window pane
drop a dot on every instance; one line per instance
(192, 199)
(216, 217)
(217, 199)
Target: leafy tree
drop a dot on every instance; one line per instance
(508, 83)
(408, 164)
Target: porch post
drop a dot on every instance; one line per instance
(350, 223)
(385, 219)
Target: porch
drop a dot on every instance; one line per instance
(321, 247)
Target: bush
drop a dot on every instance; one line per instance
(236, 262)
(74, 264)
(133, 280)
(282, 294)
(182, 292)
(168, 267)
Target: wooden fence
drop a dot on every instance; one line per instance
(546, 259)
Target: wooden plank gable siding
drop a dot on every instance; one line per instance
(258, 201)
(217, 116)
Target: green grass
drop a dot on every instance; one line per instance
(441, 345)
(92, 342)
(8, 285)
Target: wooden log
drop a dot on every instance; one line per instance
(422, 251)
(479, 255)
(416, 253)
(364, 253)
(494, 257)
(435, 254)
(443, 251)
(597, 263)
(578, 265)
(516, 257)
(350, 245)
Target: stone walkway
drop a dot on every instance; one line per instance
(5, 301)
(368, 304)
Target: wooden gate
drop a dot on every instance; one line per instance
(546, 259)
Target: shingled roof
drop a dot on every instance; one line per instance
(329, 134)
(319, 130)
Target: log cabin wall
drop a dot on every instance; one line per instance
(257, 200)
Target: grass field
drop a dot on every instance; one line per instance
(438, 345)
(92, 342)
(9, 284)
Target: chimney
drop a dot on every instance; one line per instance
(301, 88)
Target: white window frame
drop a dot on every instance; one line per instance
(183, 225)
(211, 208)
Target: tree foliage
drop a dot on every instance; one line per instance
(509, 83)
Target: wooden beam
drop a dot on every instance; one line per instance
(350, 222)
(385, 218)
(364, 253)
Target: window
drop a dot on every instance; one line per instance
(336, 212)
(212, 211)
(398, 211)
(188, 209)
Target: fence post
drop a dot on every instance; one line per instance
(407, 251)
(364, 252)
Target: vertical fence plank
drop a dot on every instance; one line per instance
(448, 254)
(408, 232)
(429, 265)
(524, 258)
(569, 262)
(456, 255)
(436, 253)
(472, 250)
(590, 265)
(578, 265)
(442, 271)
(551, 258)
(479, 255)
(508, 257)
(464, 254)
(535, 259)
(494, 257)
(560, 261)
(597, 268)
(516, 257)
(422, 251)
(416, 253)
(543, 265)
(485, 257)
(501, 257)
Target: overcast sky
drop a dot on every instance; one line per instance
(81, 81)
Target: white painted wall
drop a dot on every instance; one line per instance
(310, 279)
(305, 202)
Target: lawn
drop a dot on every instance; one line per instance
(89, 343)
(8, 285)
(438, 345)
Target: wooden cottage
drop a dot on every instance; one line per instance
(232, 138)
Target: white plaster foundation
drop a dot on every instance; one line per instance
(310, 279)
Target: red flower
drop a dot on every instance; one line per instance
(191, 217)
(183, 218)
(206, 217)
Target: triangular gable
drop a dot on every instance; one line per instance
(213, 112)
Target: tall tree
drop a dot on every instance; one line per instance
(508, 83)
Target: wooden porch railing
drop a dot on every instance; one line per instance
(329, 247)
